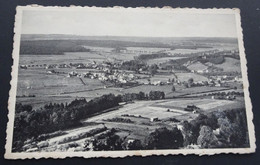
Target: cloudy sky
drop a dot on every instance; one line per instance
(128, 23)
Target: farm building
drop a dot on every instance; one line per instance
(73, 73)
(191, 108)
(23, 66)
(153, 119)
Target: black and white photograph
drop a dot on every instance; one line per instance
(116, 82)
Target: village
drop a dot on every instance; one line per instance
(156, 87)
(113, 72)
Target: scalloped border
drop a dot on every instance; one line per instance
(121, 154)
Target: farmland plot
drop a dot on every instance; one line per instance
(37, 82)
(142, 109)
(92, 92)
(204, 104)
(187, 76)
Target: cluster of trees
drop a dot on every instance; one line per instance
(152, 56)
(221, 129)
(234, 93)
(215, 59)
(136, 65)
(120, 120)
(133, 65)
(236, 73)
(189, 83)
(107, 141)
(153, 69)
(53, 117)
(153, 95)
(175, 64)
(161, 138)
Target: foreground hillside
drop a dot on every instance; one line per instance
(133, 125)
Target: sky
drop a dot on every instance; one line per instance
(128, 23)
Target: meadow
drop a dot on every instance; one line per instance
(186, 76)
(230, 65)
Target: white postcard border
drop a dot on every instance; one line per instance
(90, 154)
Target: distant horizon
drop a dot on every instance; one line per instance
(78, 35)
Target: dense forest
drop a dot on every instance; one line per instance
(50, 47)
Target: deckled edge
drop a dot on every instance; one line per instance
(244, 71)
(121, 154)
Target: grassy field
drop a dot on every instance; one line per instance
(230, 65)
(204, 104)
(162, 60)
(57, 88)
(150, 109)
(37, 81)
(186, 76)
(162, 77)
(75, 57)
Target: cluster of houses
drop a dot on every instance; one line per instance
(90, 65)
(213, 81)
(121, 77)
(33, 66)
(225, 97)
(222, 79)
